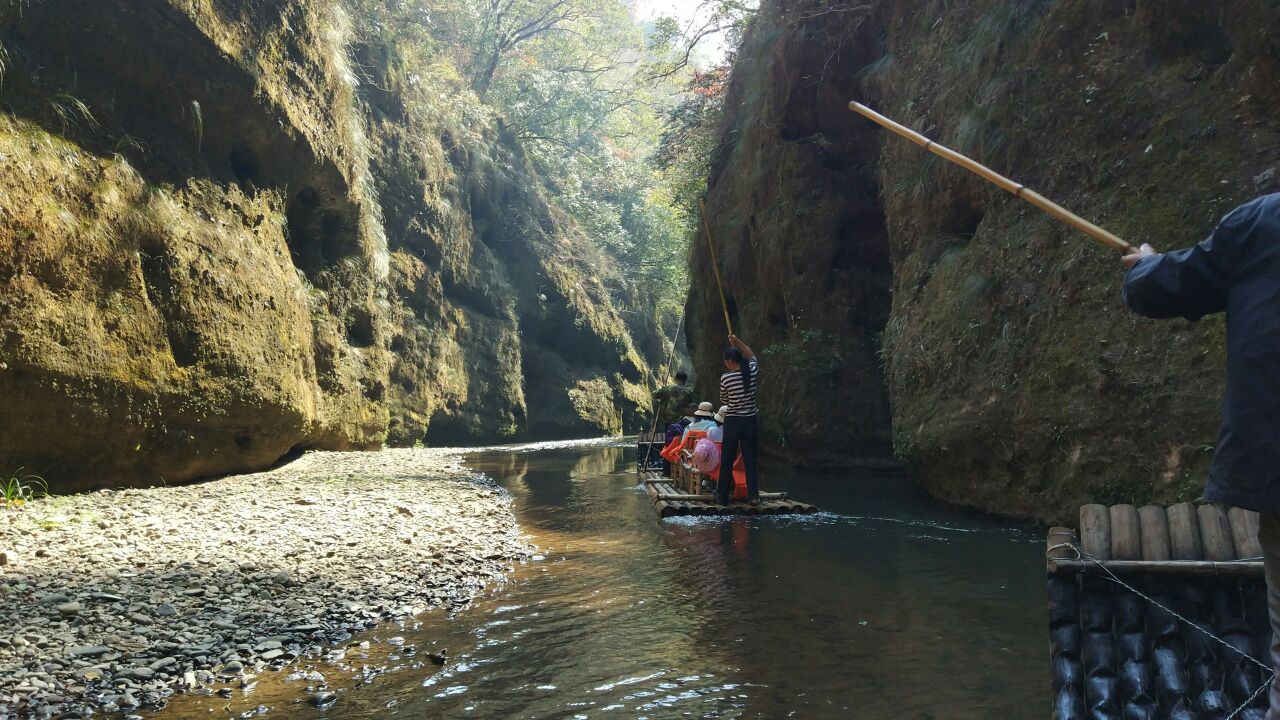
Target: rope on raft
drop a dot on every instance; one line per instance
(1081, 554)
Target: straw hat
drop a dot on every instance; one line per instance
(719, 416)
(705, 410)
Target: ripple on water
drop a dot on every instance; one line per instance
(843, 613)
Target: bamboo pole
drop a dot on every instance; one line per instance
(710, 497)
(715, 264)
(1000, 181)
(1166, 567)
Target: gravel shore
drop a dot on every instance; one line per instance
(113, 600)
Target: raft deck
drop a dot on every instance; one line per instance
(683, 494)
(1117, 650)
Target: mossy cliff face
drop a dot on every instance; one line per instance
(195, 271)
(1018, 382)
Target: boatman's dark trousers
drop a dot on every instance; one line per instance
(739, 433)
(1269, 536)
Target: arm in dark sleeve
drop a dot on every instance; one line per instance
(1188, 283)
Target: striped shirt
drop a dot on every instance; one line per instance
(741, 401)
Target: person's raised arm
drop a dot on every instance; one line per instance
(1188, 283)
(736, 341)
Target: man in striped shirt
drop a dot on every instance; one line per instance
(741, 431)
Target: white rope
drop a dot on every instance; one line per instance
(1082, 555)
(1265, 684)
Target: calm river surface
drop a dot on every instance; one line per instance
(887, 605)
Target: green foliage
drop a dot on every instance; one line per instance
(689, 139)
(197, 123)
(591, 93)
(71, 112)
(812, 351)
(17, 488)
(986, 35)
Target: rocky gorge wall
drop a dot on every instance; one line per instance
(226, 236)
(892, 292)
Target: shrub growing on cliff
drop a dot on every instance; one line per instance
(71, 112)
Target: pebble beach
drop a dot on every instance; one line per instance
(114, 600)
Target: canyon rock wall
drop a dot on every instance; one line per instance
(221, 242)
(898, 291)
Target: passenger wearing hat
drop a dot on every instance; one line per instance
(716, 434)
(705, 421)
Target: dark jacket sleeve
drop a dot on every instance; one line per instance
(1188, 283)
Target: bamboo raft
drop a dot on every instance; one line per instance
(683, 494)
(1116, 650)
(648, 451)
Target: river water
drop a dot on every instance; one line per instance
(888, 604)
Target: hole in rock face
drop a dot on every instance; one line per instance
(318, 236)
(160, 280)
(360, 329)
(962, 218)
(243, 440)
(863, 242)
(397, 344)
(244, 163)
(374, 391)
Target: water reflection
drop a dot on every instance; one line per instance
(887, 605)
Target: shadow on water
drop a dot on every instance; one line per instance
(887, 605)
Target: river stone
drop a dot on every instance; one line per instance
(163, 663)
(165, 610)
(71, 608)
(89, 651)
(136, 673)
(324, 699)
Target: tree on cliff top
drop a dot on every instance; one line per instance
(588, 89)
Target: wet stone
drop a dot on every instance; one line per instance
(159, 622)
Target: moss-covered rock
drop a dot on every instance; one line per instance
(1017, 380)
(219, 242)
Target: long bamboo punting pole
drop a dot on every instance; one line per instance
(999, 180)
(710, 497)
(1170, 567)
(715, 265)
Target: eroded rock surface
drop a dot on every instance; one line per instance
(1014, 378)
(225, 234)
